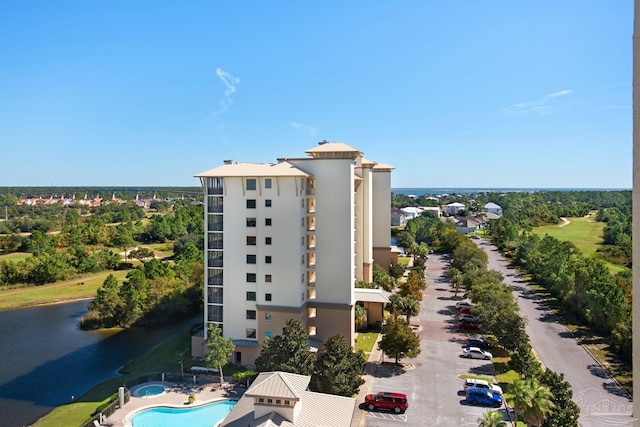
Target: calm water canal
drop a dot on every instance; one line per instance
(45, 358)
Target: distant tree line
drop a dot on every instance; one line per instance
(86, 246)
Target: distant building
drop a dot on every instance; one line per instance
(468, 225)
(398, 217)
(454, 208)
(493, 208)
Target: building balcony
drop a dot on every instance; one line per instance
(214, 209)
(215, 262)
(214, 190)
(216, 244)
(214, 227)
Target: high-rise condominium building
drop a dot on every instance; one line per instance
(289, 240)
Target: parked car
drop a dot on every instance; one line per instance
(468, 317)
(482, 396)
(465, 310)
(477, 342)
(396, 402)
(473, 382)
(465, 324)
(461, 304)
(476, 353)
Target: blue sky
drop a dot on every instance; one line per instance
(514, 94)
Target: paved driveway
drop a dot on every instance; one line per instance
(431, 381)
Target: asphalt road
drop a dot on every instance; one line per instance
(602, 401)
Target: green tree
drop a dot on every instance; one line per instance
(360, 317)
(406, 305)
(491, 419)
(524, 362)
(219, 349)
(455, 277)
(522, 396)
(541, 405)
(124, 240)
(141, 254)
(566, 411)
(134, 294)
(398, 340)
(108, 302)
(337, 369)
(289, 352)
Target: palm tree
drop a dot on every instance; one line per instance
(541, 403)
(522, 396)
(491, 419)
(455, 277)
(360, 317)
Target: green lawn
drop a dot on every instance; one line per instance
(79, 288)
(365, 341)
(16, 256)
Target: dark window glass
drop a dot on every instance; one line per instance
(251, 184)
(251, 203)
(251, 259)
(251, 314)
(267, 240)
(251, 240)
(267, 203)
(251, 277)
(267, 221)
(251, 296)
(267, 297)
(251, 222)
(267, 259)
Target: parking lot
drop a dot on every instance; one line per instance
(432, 380)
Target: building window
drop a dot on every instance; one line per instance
(267, 203)
(250, 333)
(251, 259)
(261, 400)
(214, 295)
(267, 183)
(267, 221)
(302, 259)
(288, 403)
(251, 203)
(251, 277)
(251, 314)
(267, 240)
(251, 240)
(267, 334)
(251, 296)
(267, 259)
(267, 316)
(302, 222)
(214, 313)
(251, 222)
(267, 278)
(269, 400)
(251, 184)
(278, 402)
(267, 297)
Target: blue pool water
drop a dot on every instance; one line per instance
(199, 416)
(152, 390)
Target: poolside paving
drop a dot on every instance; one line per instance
(176, 395)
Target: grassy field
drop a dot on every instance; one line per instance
(365, 341)
(584, 232)
(78, 288)
(16, 256)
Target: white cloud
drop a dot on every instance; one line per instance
(539, 106)
(230, 82)
(309, 129)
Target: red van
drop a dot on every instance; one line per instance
(396, 402)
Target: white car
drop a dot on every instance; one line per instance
(461, 304)
(472, 382)
(468, 317)
(476, 353)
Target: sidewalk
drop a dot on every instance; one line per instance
(375, 357)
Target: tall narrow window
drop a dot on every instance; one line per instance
(267, 183)
(267, 297)
(267, 278)
(267, 259)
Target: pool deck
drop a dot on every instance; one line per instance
(176, 395)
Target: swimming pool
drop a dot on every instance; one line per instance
(149, 390)
(198, 416)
